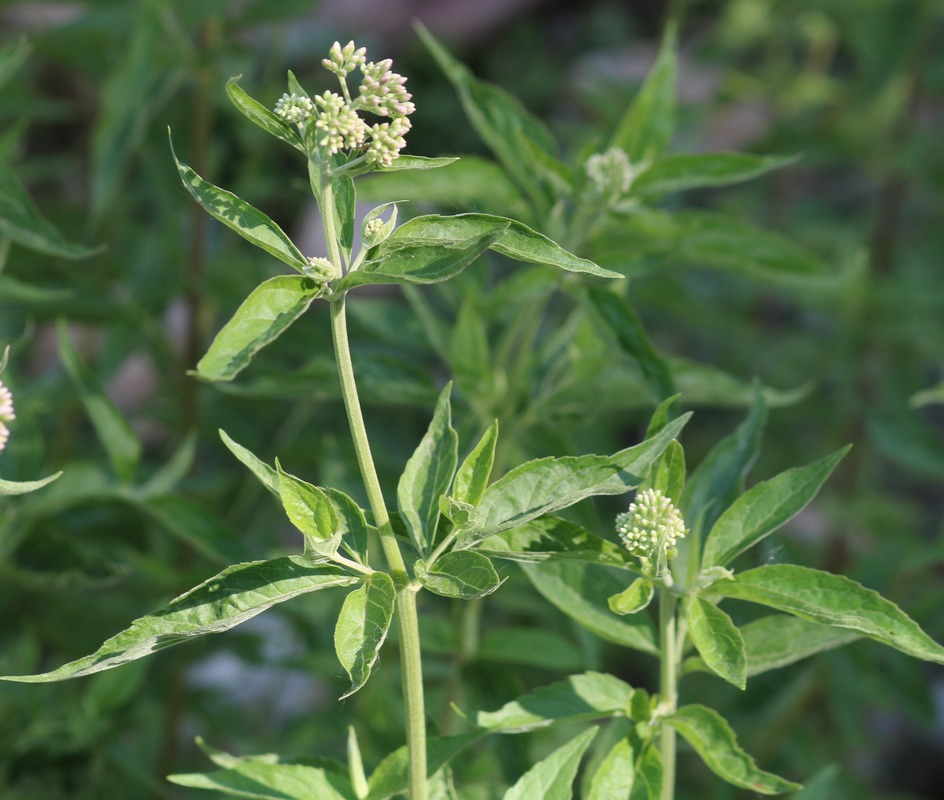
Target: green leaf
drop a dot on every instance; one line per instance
(712, 738)
(226, 600)
(832, 600)
(426, 249)
(553, 778)
(718, 640)
(616, 774)
(345, 202)
(550, 484)
(650, 773)
(428, 474)
(234, 212)
(473, 474)
(267, 781)
(579, 698)
(8, 488)
(764, 508)
(390, 777)
(469, 357)
(549, 538)
(362, 627)
(352, 524)
(262, 116)
(530, 647)
(648, 124)
(635, 598)
(267, 476)
(12, 57)
(668, 474)
(312, 512)
(582, 592)
(777, 640)
(466, 575)
(696, 170)
(405, 162)
(113, 430)
(619, 319)
(263, 316)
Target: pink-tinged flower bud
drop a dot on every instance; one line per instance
(6, 414)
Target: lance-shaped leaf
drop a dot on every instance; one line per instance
(550, 484)
(113, 430)
(616, 774)
(260, 115)
(777, 640)
(712, 738)
(764, 508)
(833, 600)
(352, 524)
(466, 575)
(553, 778)
(236, 213)
(362, 627)
(261, 780)
(427, 475)
(312, 512)
(391, 776)
(473, 474)
(697, 170)
(226, 600)
(264, 316)
(633, 599)
(267, 476)
(579, 698)
(405, 162)
(426, 249)
(718, 640)
(648, 785)
(8, 488)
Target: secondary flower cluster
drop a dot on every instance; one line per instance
(337, 125)
(652, 522)
(610, 172)
(6, 414)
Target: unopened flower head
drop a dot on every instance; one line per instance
(294, 108)
(6, 414)
(384, 92)
(652, 522)
(321, 269)
(339, 127)
(611, 172)
(343, 60)
(387, 140)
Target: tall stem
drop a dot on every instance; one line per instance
(668, 688)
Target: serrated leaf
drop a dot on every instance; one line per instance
(236, 214)
(632, 599)
(362, 627)
(426, 249)
(267, 476)
(616, 774)
(263, 316)
(312, 512)
(677, 173)
(226, 600)
(473, 474)
(764, 508)
(553, 777)
(718, 640)
(264, 781)
(9, 488)
(113, 430)
(260, 115)
(466, 575)
(549, 538)
(547, 485)
(832, 600)
(579, 698)
(428, 474)
(581, 591)
(712, 738)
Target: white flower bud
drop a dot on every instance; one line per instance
(651, 524)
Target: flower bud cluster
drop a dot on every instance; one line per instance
(6, 414)
(337, 124)
(610, 172)
(321, 269)
(651, 523)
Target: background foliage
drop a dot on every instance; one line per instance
(121, 296)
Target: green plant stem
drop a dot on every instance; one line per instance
(668, 689)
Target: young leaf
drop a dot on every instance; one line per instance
(426, 249)
(267, 781)
(267, 476)
(647, 127)
(553, 778)
(466, 575)
(355, 765)
(234, 212)
(616, 774)
(9, 488)
(226, 600)
(712, 738)
(661, 416)
(469, 357)
(473, 474)
(832, 600)
(550, 484)
(695, 170)
(581, 591)
(668, 474)
(345, 201)
(635, 598)
(312, 512)
(405, 162)
(427, 475)
(352, 524)
(764, 508)
(649, 775)
(262, 116)
(579, 698)
(264, 316)
(113, 430)
(718, 640)
(362, 627)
